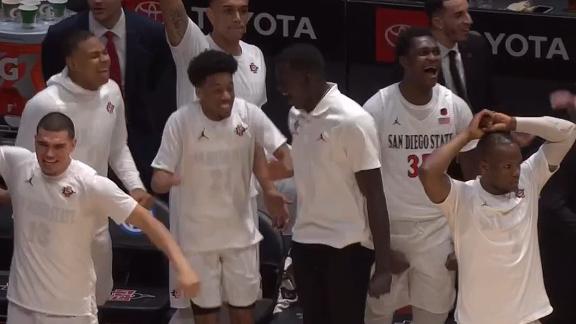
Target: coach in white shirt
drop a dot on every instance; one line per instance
(341, 202)
(494, 218)
(59, 205)
(206, 160)
(85, 92)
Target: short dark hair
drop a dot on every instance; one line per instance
(432, 7)
(73, 39)
(303, 57)
(489, 141)
(56, 122)
(208, 63)
(405, 38)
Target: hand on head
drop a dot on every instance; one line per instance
(488, 121)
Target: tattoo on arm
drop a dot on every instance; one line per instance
(176, 24)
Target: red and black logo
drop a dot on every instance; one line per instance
(68, 191)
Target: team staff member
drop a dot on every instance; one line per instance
(340, 195)
(94, 102)
(212, 142)
(59, 204)
(494, 218)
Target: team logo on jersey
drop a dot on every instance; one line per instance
(29, 181)
(203, 135)
(323, 137)
(444, 111)
(520, 193)
(254, 68)
(110, 107)
(296, 127)
(68, 191)
(240, 130)
(396, 122)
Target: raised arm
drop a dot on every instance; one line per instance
(433, 171)
(188, 283)
(175, 20)
(558, 133)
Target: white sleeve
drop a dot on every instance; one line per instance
(170, 151)
(558, 133)
(538, 169)
(451, 205)
(360, 141)
(121, 160)
(9, 157)
(264, 97)
(374, 105)
(34, 110)
(109, 200)
(463, 118)
(192, 43)
(265, 132)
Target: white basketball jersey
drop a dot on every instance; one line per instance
(406, 142)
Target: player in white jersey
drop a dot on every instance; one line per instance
(413, 118)
(206, 160)
(341, 203)
(58, 204)
(494, 218)
(228, 19)
(85, 92)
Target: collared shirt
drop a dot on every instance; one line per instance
(119, 41)
(330, 144)
(444, 53)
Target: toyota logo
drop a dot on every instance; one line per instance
(150, 9)
(392, 34)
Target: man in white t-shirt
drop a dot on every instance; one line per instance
(341, 203)
(94, 102)
(206, 160)
(58, 205)
(228, 19)
(413, 118)
(494, 218)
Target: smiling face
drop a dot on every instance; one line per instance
(216, 95)
(422, 62)
(453, 20)
(53, 151)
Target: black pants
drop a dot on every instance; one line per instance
(557, 239)
(332, 283)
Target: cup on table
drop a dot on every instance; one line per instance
(56, 9)
(10, 8)
(28, 14)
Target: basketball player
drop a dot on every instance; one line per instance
(413, 118)
(494, 218)
(85, 93)
(58, 205)
(205, 161)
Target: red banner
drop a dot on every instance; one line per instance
(389, 24)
